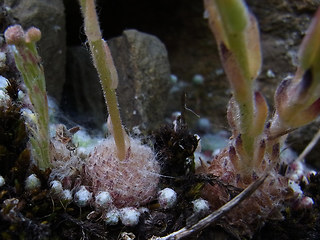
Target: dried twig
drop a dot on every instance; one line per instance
(205, 222)
(309, 147)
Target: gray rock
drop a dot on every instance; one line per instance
(144, 77)
(49, 17)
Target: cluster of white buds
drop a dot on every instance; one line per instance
(57, 190)
(56, 187)
(303, 202)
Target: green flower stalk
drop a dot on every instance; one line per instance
(254, 148)
(28, 62)
(107, 72)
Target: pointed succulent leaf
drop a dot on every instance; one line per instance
(253, 47)
(233, 14)
(260, 115)
(306, 116)
(310, 46)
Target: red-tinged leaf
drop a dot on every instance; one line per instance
(310, 46)
(234, 73)
(259, 153)
(275, 153)
(233, 117)
(233, 156)
(260, 115)
(281, 97)
(215, 22)
(253, 47)
(234, 15)
(300, 93)
(239, 146)
(306, 116)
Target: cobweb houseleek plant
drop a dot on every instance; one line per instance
(297, 100)
(120, 164)
(254, 148)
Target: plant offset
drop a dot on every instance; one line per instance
(123, 188)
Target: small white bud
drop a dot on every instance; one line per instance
(143, 210)
(82, 197)
(306, 203)
(21, 95)
(2, 181)
(103, 200)
(167, 198)
(112, 217)
(32, 182)
(3, 81)
(200, 205)
(66, 195)
(129, 216)
(56, 187)
(4, 97)
(295, 187)
(270, 74)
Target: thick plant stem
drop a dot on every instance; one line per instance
(100, 56)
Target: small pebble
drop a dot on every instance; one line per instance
(198, 79)
(270, 74)
(173, 78)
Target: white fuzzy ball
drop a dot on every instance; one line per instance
(32, 182)
(306, 203)
(66, 195)
(296, 188)
(82, 197)
(167, 198)
(112, 217)
(132, 181)
(56, 187)
(2, 181)
(103, 199)
(200, 205)
(129, 216)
